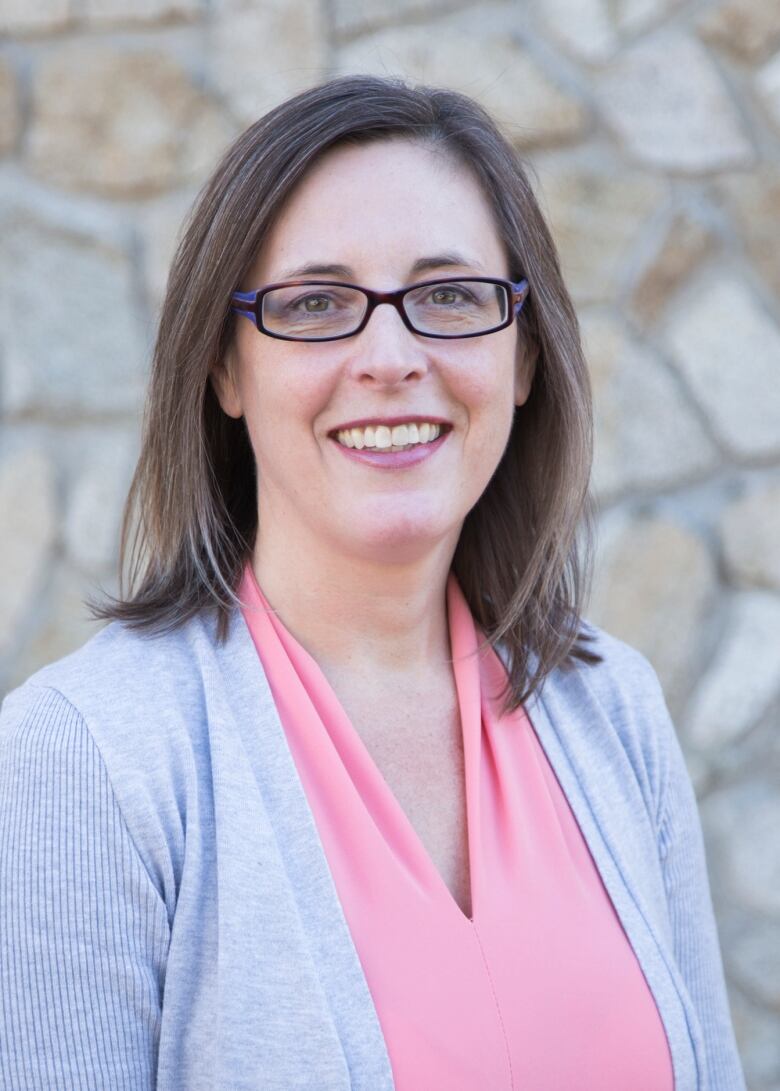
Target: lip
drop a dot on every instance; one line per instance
(395, 460)
(389, 422)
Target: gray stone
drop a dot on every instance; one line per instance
(474, 53)
(666, 102)
(646, 436)
(743, 678)
(653, 585)
(27, 532)
(758, 1042)
(262, 54)
(754, 200)
(93, 515)
(593, 29)
(747, 29)
(596, 216)
(753, 957)
(68, 323)
(680, 249)
(119, 123)
(65, 627)
(728, 350)
(750, 533)
(742, 825)
(110, 12)
(9, 106)
(351, 16)
(161, 224)
(31, 16)
(768, 84)
(634, 16)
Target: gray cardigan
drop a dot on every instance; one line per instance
(168, 915)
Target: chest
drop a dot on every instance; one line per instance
(417, 748)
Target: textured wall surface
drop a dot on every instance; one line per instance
(653, 131)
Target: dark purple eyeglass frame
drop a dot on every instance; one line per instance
(518, 293)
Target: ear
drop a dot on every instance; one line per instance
(223, 380)
(525, 369)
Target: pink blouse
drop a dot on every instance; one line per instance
(541, 990)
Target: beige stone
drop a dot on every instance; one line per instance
(474, 53)
(728, 349)
(750, 534)
(646, 435)
(9, 106)
(30, 16)
(72, 341)
(117, 123)
(743, 678)
(263, 54)
(665, 100)
(27, 531)
(748, 29)
(685, 243)
(138, 11)
(653, 587)
(768, 84)
(755, 201)
(596, 216)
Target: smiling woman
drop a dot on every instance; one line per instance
(349, 795)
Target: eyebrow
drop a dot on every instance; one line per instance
(448, 259)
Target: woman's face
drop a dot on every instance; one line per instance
(381, 216)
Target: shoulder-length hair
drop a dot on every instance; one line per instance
(524, 554)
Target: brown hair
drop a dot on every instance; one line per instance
(524, 554)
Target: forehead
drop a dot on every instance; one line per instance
(378, 208)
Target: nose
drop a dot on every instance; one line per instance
(386, 351)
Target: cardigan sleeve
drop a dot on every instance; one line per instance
(85, 932)
(691, 914)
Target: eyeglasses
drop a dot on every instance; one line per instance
(327, 310)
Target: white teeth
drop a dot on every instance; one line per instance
(383, 438)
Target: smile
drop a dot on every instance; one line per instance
(401, 437)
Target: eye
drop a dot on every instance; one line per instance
(315, 304)
(444, 295)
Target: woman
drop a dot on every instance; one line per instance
(349, 795)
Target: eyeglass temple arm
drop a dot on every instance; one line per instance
(519, 294)
(245, 297)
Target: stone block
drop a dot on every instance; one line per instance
(743, 678)
(742, 824)
(666, 102)
(757, 1040)
(768, 85)
(9, 107)
(754, 199)
(119, 123)
(33, 16)
(728, 348)
(747, 29)
(653, 585)
(596, 217)
(161, 224)
(27, 532)
(593, 30)
(753, 957)
(68, 322)
(112, 12)
(474, 53)
(261, 55)
(94, 511)
(684, 245)
(65, 627)
(750, 534)
(646, 435)
(353, 16)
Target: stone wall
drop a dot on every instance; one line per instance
(653, 130)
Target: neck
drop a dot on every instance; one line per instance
(352, 614)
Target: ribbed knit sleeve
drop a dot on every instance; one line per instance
(692, 919)
(83, 931)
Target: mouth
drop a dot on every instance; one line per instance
(391, 437)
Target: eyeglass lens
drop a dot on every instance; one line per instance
(451, 308)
